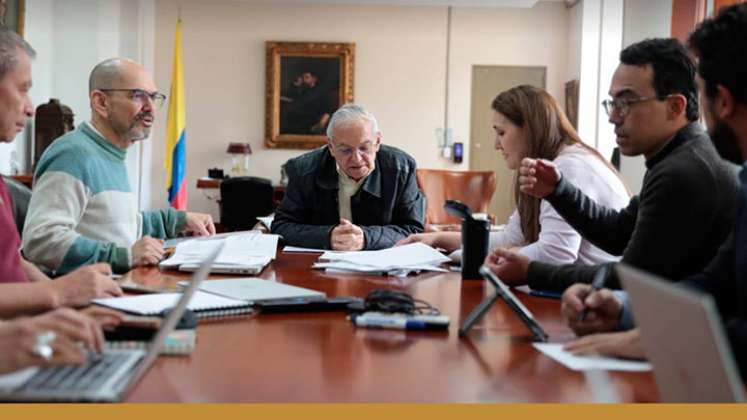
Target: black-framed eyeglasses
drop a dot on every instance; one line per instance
(140, 95)
(622, 105)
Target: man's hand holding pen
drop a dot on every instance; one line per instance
(602, 306)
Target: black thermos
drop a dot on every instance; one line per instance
(475, 235)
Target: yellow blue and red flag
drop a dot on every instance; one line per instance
(175, 160)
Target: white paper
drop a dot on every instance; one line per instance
(13, 380)
(301, 249)
(267, 220)
(346, 267)
(578, 363)
(170, 243)
(397, 261)
(240, 249)
(410, 255)
(154, 304)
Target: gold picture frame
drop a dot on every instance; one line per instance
(305, 83)
(571, 101)
(12, 14)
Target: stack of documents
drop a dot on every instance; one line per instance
(244, 252)
(399, 261)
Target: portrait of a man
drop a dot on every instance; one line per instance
(12, 14)
(306, 83)
(309, 94)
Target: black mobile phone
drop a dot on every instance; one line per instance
(458, 152)
(307, 305)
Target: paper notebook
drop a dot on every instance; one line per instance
(202, 304)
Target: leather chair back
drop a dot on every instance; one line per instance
(243, 199)
(473, 188)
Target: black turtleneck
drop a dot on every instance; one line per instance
(673, 228)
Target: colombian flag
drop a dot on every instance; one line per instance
(175, 160)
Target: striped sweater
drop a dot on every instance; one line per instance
(83, 210)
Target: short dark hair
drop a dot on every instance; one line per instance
(10, 43)
(720, 44)
(674, 69)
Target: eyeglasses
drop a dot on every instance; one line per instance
(622, 105)
(139, 95)
(347, 151)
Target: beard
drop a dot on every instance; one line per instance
(132, 131)
(726, 142)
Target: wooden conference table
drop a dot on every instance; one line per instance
(321, 357)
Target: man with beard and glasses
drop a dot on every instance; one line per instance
(83, 209)
(719, 44)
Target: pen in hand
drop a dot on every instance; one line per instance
(596, 284)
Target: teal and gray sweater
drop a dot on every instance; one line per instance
(83, 211)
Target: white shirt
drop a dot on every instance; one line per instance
(347, 188)
(558, 242)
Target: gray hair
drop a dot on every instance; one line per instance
(105, 74)
(10, 42)
(349, 113)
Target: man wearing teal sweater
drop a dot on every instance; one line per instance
(83, 209)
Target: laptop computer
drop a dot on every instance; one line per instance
(257, 290)
(106, 379)
(683, 338)
(254, 267)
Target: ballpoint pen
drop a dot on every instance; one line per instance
(599, 277)
(545, 293)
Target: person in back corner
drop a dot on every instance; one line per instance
(528, 122)
(352, 194)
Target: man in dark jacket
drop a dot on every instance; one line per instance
(352, 194)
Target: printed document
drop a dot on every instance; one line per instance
(555, 351)
(399, 260)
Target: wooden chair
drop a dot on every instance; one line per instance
(473, 188)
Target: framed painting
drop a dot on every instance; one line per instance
(571, 101)
(12, 14)
(306, 83)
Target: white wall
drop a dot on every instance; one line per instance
(575, 19)
(39, 33)
(600, 39)
(507, 37)
(399, 71)
(643, 19)
(70, 37)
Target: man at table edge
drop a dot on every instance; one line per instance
(354, 193)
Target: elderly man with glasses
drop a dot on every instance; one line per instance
(685, 208)
(352, 194)
(83, 210)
